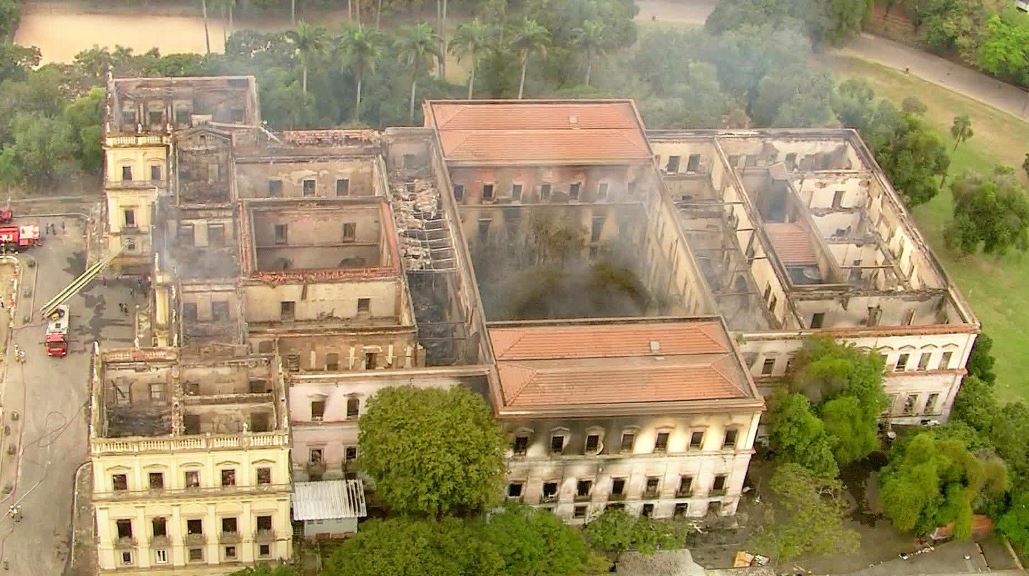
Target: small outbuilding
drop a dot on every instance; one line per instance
(329, 508)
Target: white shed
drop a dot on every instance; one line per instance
(328, 508)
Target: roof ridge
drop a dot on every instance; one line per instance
(717, 367)
(518, 338)
(532, 377)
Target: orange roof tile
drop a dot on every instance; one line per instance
(539, 132)
(588, 363)
(792, 243)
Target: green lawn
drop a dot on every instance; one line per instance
(997, 288)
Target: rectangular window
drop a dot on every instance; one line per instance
(719, 483)
(816, 319)
(521, 445)
(730, 440)
(516, 192)
(124, 528)
(583, 488)
(602, 191)
(130, 218)
(628, 439)
(353, 407)
(597, 229)
(186, 236)
(281, 234)
(791, 160)
(693, 164)
(574, 189)
(309, 187)
(685, 487)
(579, 511)
(768, 366)
(902, 363)
(930, 403)
(156, 480)
(923, 360)
(617, 486)
(317, 410)
(514, 490)
(487, 192)
(126, 173)
(315, 456)
(228, 477)
(350, 454)
(909, 404)
(349, 231)
(909, 318)
(697, 440)
(287, 310)
(229, 525)
(192, 478)
(160, 525)
(196, 554)
(216, 234)
(364, 305)
(768, 292)
(160, 556)
(945, 360)
(557, 443)
(220, 311)
(120, 482)
(458, 192)
(264, 550)
(682, 509)
(661, 442)
(837, 198)
(484, 224)
(673, 164)
(647, 511)
(342, 186)
(651, 489)
(230, 552)
(275, 188)
(771, 305)
(264, 523)
(264, 475)
(126, 558)
(545, 191)
(592, 443)
(155, 173)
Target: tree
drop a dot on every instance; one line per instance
(207, 32)
(825, 21)
(591, 39)
(9, 15)
(265, 570)
(912, 156)
(615, 531)
(807, 516)
(796, 435)
(41, 144)
(431, 451)
(533, 542)
(406, 546)
(980, 360)
(226, 8)
(415, 45)
(1025, 164)
(851, 429)
(309, 42)
(784, 100)
(361, 50)
(1015, 523)
(528, 38)
(912, 105)
(85, 115)
(824, 369)
(17, 61)
(975, 404)
(471, 41)
(930, 482)
(991, 214)
(1004, 51)
(961, 129)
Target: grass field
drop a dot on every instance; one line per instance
(997, 288)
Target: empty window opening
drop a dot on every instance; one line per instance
(628, 440)
(264, 550)
(349, 454)
(817, 319)
(126, 173)
(309, 187)
(196, 554)
(160, 526)
(618, 486)
(682, 509)
(549, 491)
(130, 218)
(580, 512)
(192, 478)
(592, 443)
(229, 525)
(156, 480)
(342, 187)
(230, 552)
(120, 482)
(730, 440)
(264, 475)
(648, 510)
(574, 189)
(315, 456)
(216, 234)
(902, 362)
(349, 231)
(484, 224)
(650, 491)
(364, 305)
(697, 440)
(353, 407)
(719, 483)
(229, 477)
(370, 360)
(685, 486)
(557, 443)
(837, 198)
(264, 523)
(521, 445)
(124, 528)
(194, 526)
(317, 410)
(768, 366)
(287, 310)
(597, 229)
(583, 488)
(923, 360)
(909, 404)
(186, 235)
(458, 192)
(516, 192)
(514, 490)
(281, 234)
(673, 164)
(332, 361)
(930, 403)
(602, 191)
(791, 160)
(661, 442)
(126, 558)
(155, 173)
(945, 360)
(275, 188)
(693, 164)
(220, 311)
(545, 191)
(487, 191)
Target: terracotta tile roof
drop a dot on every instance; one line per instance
(576, 364)
(539, 131)
(792, 243)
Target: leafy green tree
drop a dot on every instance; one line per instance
(85, 115)
(592, 40)
(807, 516)
(824, 369)
(990, 213)
(266, 570)
(825, 21)
(930, 482)
(361, 50)
(533, 542)
(913, 158)
(529, 37)
(226, 7)
(1015, 523)
(1004, 51)
(9, 16)
(786, 100)
(17, 61)
(1025, 164)
(851, 429)
(432, 452)
(975, 404)
(471, 41)
(41, 145)
(409, 546)
(415, 46)
(1009, 433)
(309, 42)
(961, 129)
(797, 435)
(614, 532)
(980, 360)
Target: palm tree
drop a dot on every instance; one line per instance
(415, 45)
(207, 33)
(226, 6)
(309, 41)
(529, 37)
(361, 50)
(471, 40)
(961, 130)
(293, 13)
(591, 38)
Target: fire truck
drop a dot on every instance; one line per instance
(57, 332)
(16, 238)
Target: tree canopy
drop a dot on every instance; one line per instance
(432, 452)
(615, 532)
(990, 214)
(797, 435)
(825, 21)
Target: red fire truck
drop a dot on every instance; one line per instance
(15, 238)
(57, 332)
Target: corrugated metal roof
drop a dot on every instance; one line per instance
(328, 500)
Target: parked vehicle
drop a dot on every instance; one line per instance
(57, 332)
(16, 238)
